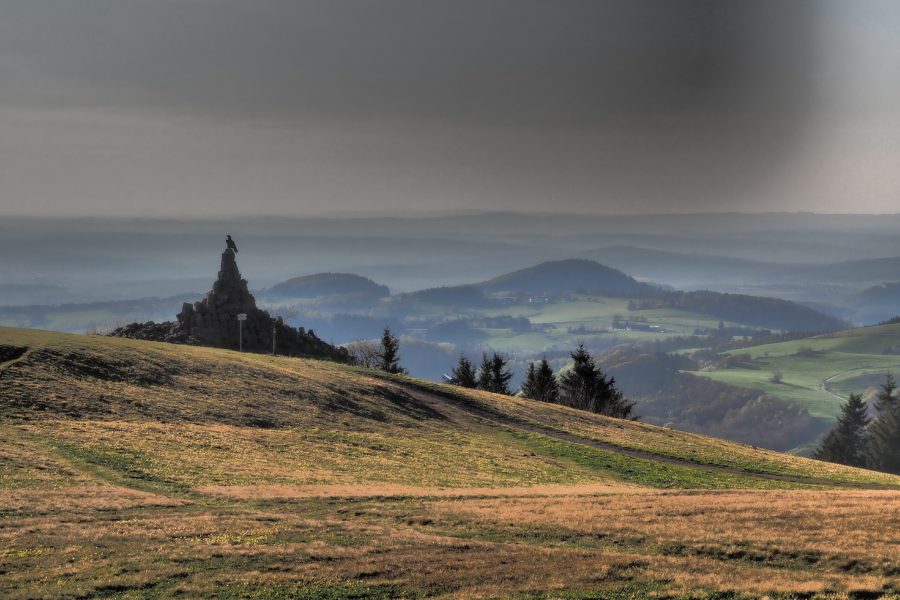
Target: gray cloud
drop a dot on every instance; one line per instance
(164, 106)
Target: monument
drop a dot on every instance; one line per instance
(213, 321)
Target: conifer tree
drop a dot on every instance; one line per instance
(464, 374)
(390, 353)
(882, 447)
(493, 376)
(886, 395)
(529, 386)
(485, 381)
(500, 375)
(585, 387)
(540, 383)
(846, 442)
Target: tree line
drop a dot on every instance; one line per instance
(583, 385)
(860, 441)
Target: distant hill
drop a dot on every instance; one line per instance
(877, 303)
(566, 276)
(855, 271)
(817, 372)
(78, 317)
(681, 269)
(772, 313)
(676, 268)
(579, 275)
(666, 395)
(326, 284)
(450, 297)
(18, 294)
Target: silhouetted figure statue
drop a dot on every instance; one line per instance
(231, 245)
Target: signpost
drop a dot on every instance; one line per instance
(241, 318)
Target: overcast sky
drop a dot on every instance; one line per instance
(224, 107)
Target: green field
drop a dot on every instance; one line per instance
(595, 314)
(819, 371)
(135, 469)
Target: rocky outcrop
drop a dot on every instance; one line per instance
(213, 321)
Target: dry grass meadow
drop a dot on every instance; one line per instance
(141, 470)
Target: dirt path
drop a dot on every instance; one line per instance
(456, 410)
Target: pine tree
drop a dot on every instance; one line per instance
(882, 447)
(390, 353)
(547, 384)
(540, 383)
(577, 386)
(500, 375)
(485, 381)
(464, 374)
(585, 387)
(529, 387)
(846, 442)
(493, 376)
(886, 395)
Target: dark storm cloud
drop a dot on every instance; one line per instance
(617, 105)
(535, 62)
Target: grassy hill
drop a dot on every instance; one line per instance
(676, 268)
(877, 303)
(326, 284)
(140, 469)
(566, 276)
(818, 372)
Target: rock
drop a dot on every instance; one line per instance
(213, 321)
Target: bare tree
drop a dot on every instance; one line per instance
(365, 353)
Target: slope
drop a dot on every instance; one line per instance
(144, 469)
(816, 372)
(562, 276)
(326, 284)
(321, 422)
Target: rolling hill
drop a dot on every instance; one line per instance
(877, 303)
(677, 268)
(151, 469)
(681, 269)
(817, 372)
(326, 284)
(566, 276)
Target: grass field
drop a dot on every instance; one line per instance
(134, 469)
(595, 314)
(818, 371)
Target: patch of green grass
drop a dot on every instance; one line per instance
(644, 472)
(804, 374)
(117, 466)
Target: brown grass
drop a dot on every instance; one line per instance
(150, 470)
(449, 545)
(284, 492)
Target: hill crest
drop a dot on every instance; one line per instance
(567, 276)
(126, 386)
(318, 285)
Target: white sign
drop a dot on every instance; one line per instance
(242, 316)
